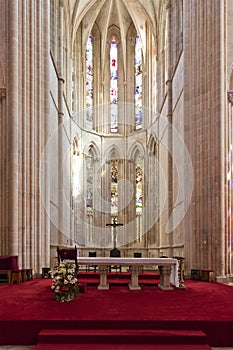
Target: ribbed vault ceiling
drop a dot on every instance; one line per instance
(114, 12)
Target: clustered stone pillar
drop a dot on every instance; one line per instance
(3, 174)
(204, 129)
(12, 129)
(169, 117)
(26, 113)
(61, 82)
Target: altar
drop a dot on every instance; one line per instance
(168, 270)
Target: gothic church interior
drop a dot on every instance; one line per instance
(117, 111)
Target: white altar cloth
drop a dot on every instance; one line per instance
(135, 263)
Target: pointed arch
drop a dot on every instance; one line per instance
(136, 148)
(94, 149)
(152, 144)
(114, 152)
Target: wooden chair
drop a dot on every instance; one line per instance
(91, 255)
(115, 253)
(138, 255)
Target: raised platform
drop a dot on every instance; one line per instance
(28, 308)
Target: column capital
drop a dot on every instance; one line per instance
(169, 4)
(230, 96)
(2, 93)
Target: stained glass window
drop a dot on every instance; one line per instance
(114, 187)
(89, 82)
(138, 83)
(139, 198)
(139, 184)
(114, 84)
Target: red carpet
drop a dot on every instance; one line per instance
(29, 308)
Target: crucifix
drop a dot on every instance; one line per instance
(114, 225)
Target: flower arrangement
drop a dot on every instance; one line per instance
(64, 285)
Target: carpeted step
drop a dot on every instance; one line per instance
(121, 336)
(121, 347)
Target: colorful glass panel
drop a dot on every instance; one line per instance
(139, 189)
(138, 83)
(89, 82)
(114, 187)
(113, 85)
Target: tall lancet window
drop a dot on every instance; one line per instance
(114, 187)
(114, 84)
(139, 198)
(89, 83)
(138, 83)
(75, 170)
(89, 191)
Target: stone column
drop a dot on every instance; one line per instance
(45, 209)
(3, 175)
(61, 82)
(12, 128)
(169, 118)
(204, 224)
(103, 270)
(165, 278)
(134, 278)
(228, 186)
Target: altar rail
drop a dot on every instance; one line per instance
(168, 269)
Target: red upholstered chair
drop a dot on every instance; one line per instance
(8, 265)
